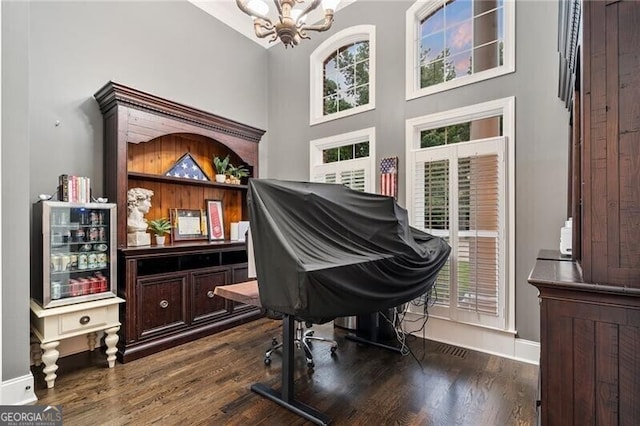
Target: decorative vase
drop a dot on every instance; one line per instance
(221, 178)
(160, 240)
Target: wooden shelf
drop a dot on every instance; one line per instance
(181, 181)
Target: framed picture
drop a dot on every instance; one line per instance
(188, 225)
(215, 221)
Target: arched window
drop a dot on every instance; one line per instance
(343, 75)
(457, 42)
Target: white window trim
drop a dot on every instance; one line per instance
(316, 84)
(506, 108)
(368, 134)
(422, 8)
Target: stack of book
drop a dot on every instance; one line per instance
(74, 189)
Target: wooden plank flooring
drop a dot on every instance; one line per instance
(207, 382)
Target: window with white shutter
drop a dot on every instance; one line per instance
(459, 189)
(347, 159)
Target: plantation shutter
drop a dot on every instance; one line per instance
(459, 193)
(431, 209)
(354, 179)
(478, 230)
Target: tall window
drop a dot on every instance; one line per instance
(459, 189)
(457, 42)
(347, 159)
(343, 75)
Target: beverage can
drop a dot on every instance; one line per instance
(82, 261)
(56, 290)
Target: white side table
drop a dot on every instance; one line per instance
(52, 325)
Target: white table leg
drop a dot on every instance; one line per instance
(50, 358)
(111, 340)
(91, 339)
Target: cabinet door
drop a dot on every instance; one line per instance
(162, 304)
(206, 305)
(240, 273)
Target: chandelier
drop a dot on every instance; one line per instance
(290, 26)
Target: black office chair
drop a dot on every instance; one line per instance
(303, 341)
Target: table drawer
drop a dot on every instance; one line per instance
(75, 321)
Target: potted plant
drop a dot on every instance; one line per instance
(221, 167)
(160, 227)
(237, 173)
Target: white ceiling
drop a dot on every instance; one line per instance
(227, 11)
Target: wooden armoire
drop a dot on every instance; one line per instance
(590, 302)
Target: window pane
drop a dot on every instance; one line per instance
(329, 155)
(330, 104)
(458, 38)
(362, 51)
(458, 133)
(461, 65)
(362, 149)
(485, 28)
(362, 73)
(346, 152)
(362, 95)
(432, 23)
(432, 73)
(433, 137)
(330, 84)
(485, 57)
(346, 100)
(432, 47)
(458, 11)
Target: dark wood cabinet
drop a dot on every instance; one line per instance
(590, 348)
(590, 305)
(169, 289)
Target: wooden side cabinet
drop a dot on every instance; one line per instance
(171, 294)
(50, 326)
(590, 348)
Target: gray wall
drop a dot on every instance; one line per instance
(56, 55)
(541, 121)
(15, 191)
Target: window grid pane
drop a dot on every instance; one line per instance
(346, 78)
(460, 38)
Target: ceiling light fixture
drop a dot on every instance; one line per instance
(290, 26)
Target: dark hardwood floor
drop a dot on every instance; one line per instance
(207, 382)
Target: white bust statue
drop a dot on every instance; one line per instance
(138, 203)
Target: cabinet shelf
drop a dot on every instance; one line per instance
(181, 181)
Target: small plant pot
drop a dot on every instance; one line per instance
(221, 178)
(160, 240)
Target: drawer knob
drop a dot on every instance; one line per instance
(84, 320)
(164, 304)
(210, 294)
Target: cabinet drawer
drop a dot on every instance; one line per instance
(74, 321)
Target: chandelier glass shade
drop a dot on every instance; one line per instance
(290, 25)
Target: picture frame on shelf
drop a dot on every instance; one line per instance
(188, 225)
(215, 221)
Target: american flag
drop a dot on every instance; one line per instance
(187, 168)
(389, 177)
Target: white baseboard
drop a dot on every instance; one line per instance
(492, 341)
(18, 391)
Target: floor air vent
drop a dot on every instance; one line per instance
(452, 350)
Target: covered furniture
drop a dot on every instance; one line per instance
(324, 251)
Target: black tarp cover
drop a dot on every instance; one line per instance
(324, 251)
